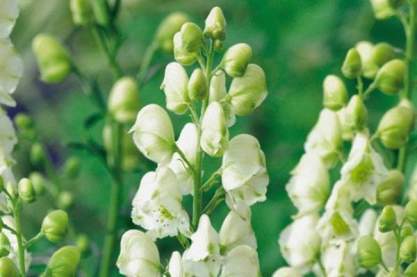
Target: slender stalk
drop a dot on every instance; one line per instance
(19, 237)
(147, 58)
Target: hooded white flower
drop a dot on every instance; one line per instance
(188, 143)
(367, 222)
(157, 205)
(338, 259)
(175, 88)
(236, 231)
(241, 261)
(8, 141)
(215, 135)
(153, 134)
(138, 256)
(287, 272)
(309, 187)
(364, 169)
(11, 70)
(175, 267)
(217, 92)
(244, 174)
(13, 255)
(325, 138)
(8, 14)
(300, 242)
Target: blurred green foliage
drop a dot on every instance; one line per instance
(297, 42)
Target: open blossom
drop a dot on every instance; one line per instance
(157, 205)
(309, 185)
(300, 242)
(338, 259)
(175, 88)
(241, 261)
(9, 11)
(367, 222)
(138, 255)
(244, 174)
(11, 69)
(217, 92)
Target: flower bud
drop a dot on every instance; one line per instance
(411, 212)
(217, 92)
(389, 190)
(123, 103)
(215, 135)
(335, 94)
(153, 134)
(23, 122)
(53, 59)
(382, 9)
(4, 245)
(387, 220)
(11, 189)
(236, 59)
(101, 12)
(72, 167)
(411, 270)
(369, 252)
(187, 43)
(408, 250)
(396, 124)
(365, 49)
(175, 88)
(197, 86)
(55, 225)
(8, 268)
(356, 114)
(65, 200)
(390, 78)
(83, 243)
(167, 29)
(406, 231)
(218, 46)
(81, 12)
(249, 91)
(215, 24)
(64, 262)
(38, 182)
(37, 155)
(26, 191)
(352, 66)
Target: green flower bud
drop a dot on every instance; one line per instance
(101, 12)
(365, 49)
(8, 268)
(382, 8)
(218, 45)
(411, 270)
(38, 182)
(249, 91)
(236, 59)
(356, 113)
(390, 78)
(55, 225)
(340, 227)
(389, 191)
(65, 200)
(387, 220)
(4, 245)
(408, 249)
(215, 24)
(396, 124)
(2, 185)
(26, 190)
(411, 212)
(352, 66)
(381, 54)
(167, 29)
(72, 167)
(81, 11)
(63, 263)
(123, 102)
(335, 94)
(53, 59)
(23, 121)
(197, 85)
(37, 155)
(83, 243)
(406, 231)
(369, 252)
(214, 135)
(187, 43)
(11, 189)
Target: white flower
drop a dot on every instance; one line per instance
(138, 256)
(244, 174)
(241, 261)
(8, 141)
(325, 138)
(236, 231)
(300, 242)
(14, 255)
(157, 205)
(175, 267)
(217, 92)
(153, 134)
(367, 222)
(215, 135)
(11, 70)
(338, 259)
(364, 169)
(8, 14)
(309, 187)
(287, 272)
(175, 88)
(188, 143)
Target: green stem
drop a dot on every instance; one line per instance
(33, 240)
(19, 237)
(197, 193)
(147, 58)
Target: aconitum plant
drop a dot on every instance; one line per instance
(358, 223)
(195, 85)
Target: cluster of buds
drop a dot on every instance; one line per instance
(241, 181)
(327, 237)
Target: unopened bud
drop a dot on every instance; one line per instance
(167, 29)
(65, 200)
(187, 43)
(38, 182)
(215, 135)
(369, 252)
(408, 250)
(55, 225)
(8, 268)
(123, 102)
(175, 87)
(390, 78)
(72, 167)
(389, 191)
(365, 49)
(83, 243)
(236, 59)
(11, 189)
(37, 155)
(382, 8)
(81, 11)
(411, 270)
(352, 65)
(4, 245)
(388, 220)
(26, 190)
(411, 212)
(356, 113)
(406, 231)
(218, 45)
(215, 24)
(396, 124)
(53, 59)
(335, 94)
(64, 262)
(339, 226)
(101, 12)
(23, 122)
(197, 85)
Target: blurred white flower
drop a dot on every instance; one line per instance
(8, 141)
(157, 205)
(11, 70)
(241, 261)
(215, 135)
(175, 87)
(338, 259)
(367, 222)
(9, 11)
(287, 272)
